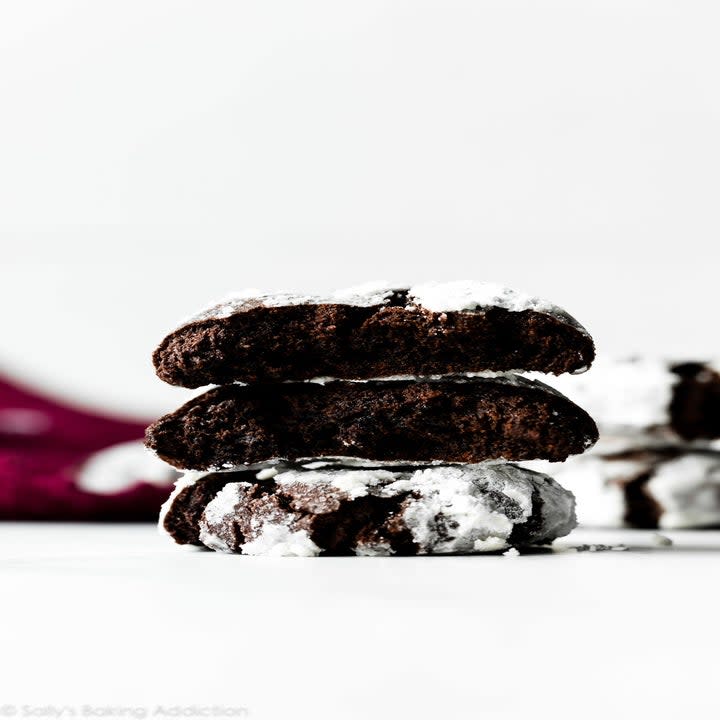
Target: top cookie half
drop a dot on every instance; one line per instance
(369, 332)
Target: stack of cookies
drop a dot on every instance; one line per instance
(657, 464)
(375, 421)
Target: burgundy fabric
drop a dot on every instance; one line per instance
(43, 445)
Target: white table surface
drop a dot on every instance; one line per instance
(109, 621)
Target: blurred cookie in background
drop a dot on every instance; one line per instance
(657, 462)
(666, 488)
(646, 401)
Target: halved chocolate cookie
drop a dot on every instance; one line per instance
(341, 511)
(454, 420)
(431, 329)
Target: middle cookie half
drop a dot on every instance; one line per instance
(458, 420)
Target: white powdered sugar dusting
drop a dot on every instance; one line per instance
(277, 539)
(460, 295)
(375, 292)
(458, 508)
(446, 508)
(491, 544)
(217, 512)
(503, 378)
(453, 296)
(224, 503)
(516, 492)
(212, 541)
(688, 491)
(366, 295)
(267, 473)
(347, 461)
(355, 484)
(476, 501)
(450, 496)
(509, 376)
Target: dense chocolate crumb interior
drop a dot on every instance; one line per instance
(465, 422)
(299, 342)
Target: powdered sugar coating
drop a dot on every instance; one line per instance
(347, 462)
(688, 491)
(277, 539)
(503, 378)
(463, 296)
(454, 296)
(353, 484)
(222, 505)
(446, 509)
(272, 536)
(508, 375)
(248, 298)
(212, 541)
(465, 499)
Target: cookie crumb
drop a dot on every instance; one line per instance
(600, 548)
(267, 473)
(661, 540)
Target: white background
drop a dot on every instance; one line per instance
(117, 616)
(155, 155)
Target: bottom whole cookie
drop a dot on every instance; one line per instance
(341, 511)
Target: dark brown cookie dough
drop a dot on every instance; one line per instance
(261, 339)
(454, 420)
(181, 512)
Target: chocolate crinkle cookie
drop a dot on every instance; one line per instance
(373, 421)
(373, 331)
(374, 511)
(657, 462)
(668, 487)
(456, 420)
